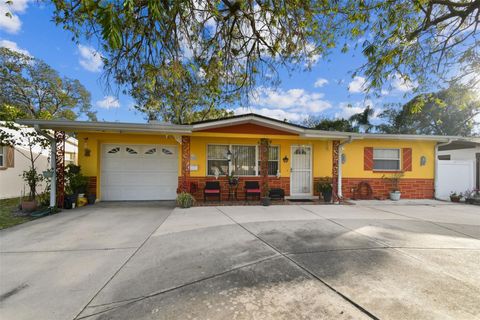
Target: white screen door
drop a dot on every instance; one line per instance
(301, 171)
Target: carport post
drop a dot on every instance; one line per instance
(53, 182)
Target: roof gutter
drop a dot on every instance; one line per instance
(436, 163)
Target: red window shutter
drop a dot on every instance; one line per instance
(10, 157)
(368, 158)
(407, 159)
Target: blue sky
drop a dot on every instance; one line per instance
(325, 91)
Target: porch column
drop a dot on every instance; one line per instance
(60, 166)
(264, 144)
(335, 157)
(185, 163)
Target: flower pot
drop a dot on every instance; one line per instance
(266, 201)
(395, 195)
(327, 196)
(70, 201)
(455, 198)
(29, 205)
(91, 198)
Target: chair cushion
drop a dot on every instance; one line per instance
(211, 191)
(253, 190)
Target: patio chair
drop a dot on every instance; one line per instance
(212, 188)
(252, 188)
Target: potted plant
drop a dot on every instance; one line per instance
(394, 180)
(185, 200)
(455, 197)
(325, 189)
(232, 179)
(76, 183)
(32, 178)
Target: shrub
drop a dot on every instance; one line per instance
(185, 200)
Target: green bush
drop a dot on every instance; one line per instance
(185, 200)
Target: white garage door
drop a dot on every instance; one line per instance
(139, 172)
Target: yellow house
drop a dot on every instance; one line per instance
(154, 161)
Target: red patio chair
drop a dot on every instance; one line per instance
(252, 188)
(212, 189)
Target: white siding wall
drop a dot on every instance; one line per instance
(11, 182)
(463, 154)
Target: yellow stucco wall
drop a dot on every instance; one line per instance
(90, 165)
(322, 156)
(322, 152)
(353, 167)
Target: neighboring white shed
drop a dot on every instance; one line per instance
(13, 161)
(459, 167)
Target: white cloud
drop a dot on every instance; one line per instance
(279, 114)
(108, 102)
(358, 84)
(14, 47)
(401, 84)
(293, 100)
(12, 24)
(90, 59)
(346, 110)
(320, 82)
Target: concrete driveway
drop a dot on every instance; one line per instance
(410, 260)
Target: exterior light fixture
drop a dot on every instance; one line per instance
(86, 150)
(285, 159)
(423, 161)
(344, 158)
(229, 155)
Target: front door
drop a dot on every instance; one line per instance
(301, 171)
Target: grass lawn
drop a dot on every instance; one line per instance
(7, 219)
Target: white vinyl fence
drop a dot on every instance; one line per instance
(455, 176)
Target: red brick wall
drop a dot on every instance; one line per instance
(410, 188)
(273, 182)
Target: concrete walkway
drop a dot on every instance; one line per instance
(367, 261)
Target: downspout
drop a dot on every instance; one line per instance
(436, 164)
(53, 181)
(339, 181)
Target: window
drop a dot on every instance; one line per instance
(444, 157)
(243, 160)
(131, 150)
(2, 156)
(386, 159)
(273, 161)
(114, 150)
(217, 161)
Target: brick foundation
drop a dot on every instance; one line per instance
(195, 185)
(410, 188)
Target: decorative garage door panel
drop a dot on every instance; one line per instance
(139, 172)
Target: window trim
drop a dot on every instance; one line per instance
(399, 159)
(230, 166)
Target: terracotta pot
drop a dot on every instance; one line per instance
(29, 205)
